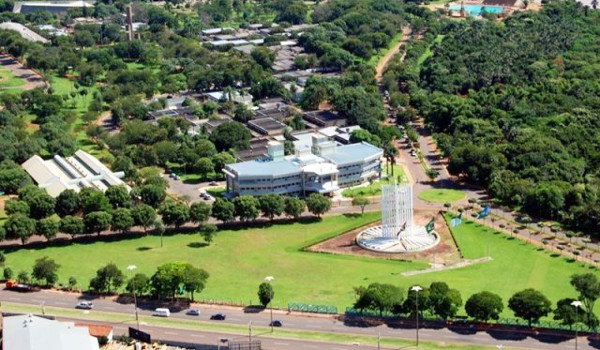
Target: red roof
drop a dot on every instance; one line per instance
(96, 330)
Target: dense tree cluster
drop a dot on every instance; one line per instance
(514, 106)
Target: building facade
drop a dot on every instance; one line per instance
(323, 168)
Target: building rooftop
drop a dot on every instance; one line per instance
(267, 125)
(52, 6)
(25, 32)
(81, 170)
(28, 332)
(353, 153)
(265, 168)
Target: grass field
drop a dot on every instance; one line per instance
(441, 195)
(428, 53)
(9, 82)
(239, 260)
(374, 188)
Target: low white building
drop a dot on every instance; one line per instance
(29, 332)
(81, 170)
(50, 6)
(222, 96)
(323, 168)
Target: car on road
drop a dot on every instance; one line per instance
(218, 317)
(276, 323)
(18, 287)
(413, 153)
(84, 305)
(193, 312)
(205, 196)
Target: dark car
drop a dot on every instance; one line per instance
(276, 323)
(218, 317)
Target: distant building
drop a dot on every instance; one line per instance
(221, 96)
(210, 125)
(324, 118)
(267, 126)
(50, 6)
(323, 168)
(25, 32)
(29, 332)
(81, 170)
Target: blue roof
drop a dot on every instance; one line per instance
(353, 153)
(265, 168)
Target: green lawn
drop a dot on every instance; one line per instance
(428, 53)
(374, 188)
(441, 195)
(9, 82)
(239, 260)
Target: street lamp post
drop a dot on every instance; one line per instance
(417, 289)
(270, 279)
(137, 319)
(576, 304)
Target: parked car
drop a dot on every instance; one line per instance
(218, 317)
(19, 287)
(84, 305)
(161, 312)
(413, 153)
(276, 323)
(193, 312)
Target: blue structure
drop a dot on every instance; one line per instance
(323, 168)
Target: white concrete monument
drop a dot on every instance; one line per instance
(397, 232)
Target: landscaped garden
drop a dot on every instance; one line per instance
(238, 260)
(9, 82)
(374, 188)
(441, 195)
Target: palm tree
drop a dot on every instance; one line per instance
(390, 152)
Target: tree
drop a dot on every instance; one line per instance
(588, 286)
(271, 205)
(432, 174)
(194, 279)
(208, 231)
(122, 220)
(246, 207)
(265, 293)
(242, 113)
(97, 221)
(204, 166)
(293, 207)
(444, 302)
(40, 204)
(160, 229)
(68, 202)
(172, 278)
(231, 135)
(378, 296)
(318, 204)
(45, 269)
(220, 160)
(107, 279)
(484, 306)
(72, 282)
(47, 227)
(141, 282)
(118, 196)
(11, 180)
(361, 202)
(567, 313)
(19, 226)
(529, 304)
(143, 215)
(15, 206)
(93, 200)
(8, 273)
(23, 277)
(263, 56)
(153, 195)
(175, 213)
(72, 225)
(199, 212)
(223, 210)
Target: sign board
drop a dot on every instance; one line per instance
(139, 335)
(245, 345)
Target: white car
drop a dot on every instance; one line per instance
(85, 305)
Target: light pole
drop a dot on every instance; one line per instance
(270, 279)
(137, 319)
(250, 332)
(576, 304)
(417, 289)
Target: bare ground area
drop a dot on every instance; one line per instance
(31, 78)
(445, 253)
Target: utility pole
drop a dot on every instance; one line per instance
(250, 332)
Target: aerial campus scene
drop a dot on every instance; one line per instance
(299, 174)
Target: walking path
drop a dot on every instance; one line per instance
(458, 265)
(406, 36)
(32, 79)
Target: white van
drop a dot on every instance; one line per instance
(162, 312)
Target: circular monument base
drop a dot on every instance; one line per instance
(414, 239)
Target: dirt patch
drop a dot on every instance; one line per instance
(445, 253)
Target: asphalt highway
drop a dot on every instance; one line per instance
(295, 321)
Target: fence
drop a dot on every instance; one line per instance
(318, 309)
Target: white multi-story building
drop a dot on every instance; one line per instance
(322, 168)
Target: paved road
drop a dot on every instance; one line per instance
(301, 322)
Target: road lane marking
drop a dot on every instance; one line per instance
(172, 333)
(198, 336)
